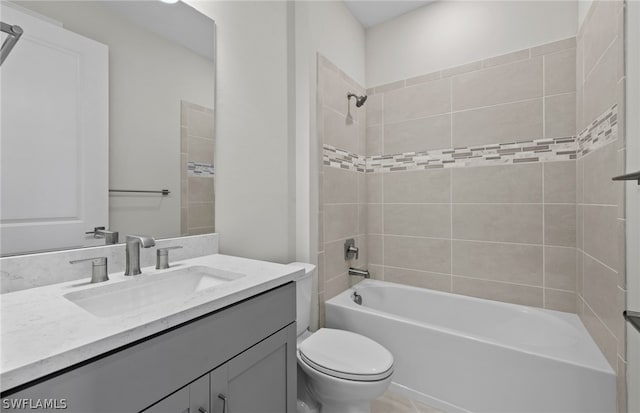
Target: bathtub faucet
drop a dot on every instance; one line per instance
(359, 272)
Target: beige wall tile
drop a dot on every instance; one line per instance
(458, 70)
(320, 272)
(560, 225)
(389, 86)
(376, 272)
(601, 292)
(363, 218)
(374, 110)
(374, 244)
(560, 72)
(492, 290)
(422, 279)
(338, 132)
(506, 58)
(500, 84)
(580, 180)
(374, 187)
(321, 231)
(599, 167)
(600, 86)
(340, 186)
(200, 189)
(516, 263)
(423, 254)
(334, 90)
(321, 190)
(423, 79)
(579, 272)
(200, 150)
(362, 188)
(554, 46)
(560, 268)
(560, 115)
(201, 230)
(498, 184)
(334, 262)
(560, 182)
(621, 386)
(335, 286)
(424, 220)
(340, 221)
(418, 135)
(428, 186)
(599, 30)
(579, 227)
(200, 124)
(603, 337)
(560, 300)
(520, 223)
(426, 99)
(374, 219)
(600, 233)
(374, 141)
(496, 124)
(200, 215)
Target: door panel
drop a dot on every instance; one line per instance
(52, 196)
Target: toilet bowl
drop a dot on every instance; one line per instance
(339, 371)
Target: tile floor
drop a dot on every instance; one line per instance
(395, 403)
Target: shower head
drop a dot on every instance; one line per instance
(359, 99)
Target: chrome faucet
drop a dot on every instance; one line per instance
(358, 272)
(134, 243)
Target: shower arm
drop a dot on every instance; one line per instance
(14, 32)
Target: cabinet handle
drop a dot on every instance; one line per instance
(202, 410)
(224, 402)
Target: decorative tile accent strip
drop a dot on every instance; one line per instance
(539, 150)
(338, 158)
(599, 133)
(200, 169)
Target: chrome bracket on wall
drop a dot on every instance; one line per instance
(632, 317)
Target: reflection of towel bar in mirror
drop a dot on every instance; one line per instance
(162, 191)
(628, 177)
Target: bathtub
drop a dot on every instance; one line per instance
(465, 354)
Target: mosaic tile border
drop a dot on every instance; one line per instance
(599, 133)
(200, 169)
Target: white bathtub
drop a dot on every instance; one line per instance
(464, 354)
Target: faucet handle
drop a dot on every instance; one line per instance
(162, 257)
(99, 271)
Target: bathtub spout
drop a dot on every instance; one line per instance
(359, 272)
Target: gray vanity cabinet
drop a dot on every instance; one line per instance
(244, 353)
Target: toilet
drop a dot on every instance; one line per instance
(338, 371)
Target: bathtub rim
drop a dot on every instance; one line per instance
(344, 300)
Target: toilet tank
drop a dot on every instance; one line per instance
(304, 288)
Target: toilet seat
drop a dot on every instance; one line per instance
(346, 355)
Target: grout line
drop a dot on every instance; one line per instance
(597, 260)
(544, 262)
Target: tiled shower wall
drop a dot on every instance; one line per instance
(493, 215)
(342, 201)
(600, 210)
(197, 144)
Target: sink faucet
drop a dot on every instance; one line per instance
(134, 243)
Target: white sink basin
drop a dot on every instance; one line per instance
(148, 290)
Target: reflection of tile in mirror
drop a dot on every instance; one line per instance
(197, 170)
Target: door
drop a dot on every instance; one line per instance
(260, 380)
(193, 398)
(51, 197)
(633, 200)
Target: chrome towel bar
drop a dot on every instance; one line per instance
(628, 177)
(162, 191)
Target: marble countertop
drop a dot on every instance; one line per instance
(42, 332)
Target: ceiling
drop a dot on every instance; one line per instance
(372, 12)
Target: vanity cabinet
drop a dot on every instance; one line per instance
(242, 355)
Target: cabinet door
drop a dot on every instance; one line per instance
(260, 380)
(199, 395)
(178, 402)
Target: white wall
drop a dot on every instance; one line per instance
(253, 199)
(328, 28)
(451, 33)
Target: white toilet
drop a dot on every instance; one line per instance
(338, 371)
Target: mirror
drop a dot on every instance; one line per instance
(102, 102)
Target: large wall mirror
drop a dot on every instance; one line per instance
(107, 123)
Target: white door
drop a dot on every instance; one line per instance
(54, 137)
(633, 200)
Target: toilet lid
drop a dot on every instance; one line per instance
(346, 355)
